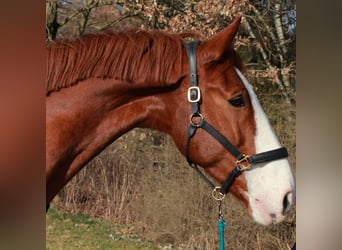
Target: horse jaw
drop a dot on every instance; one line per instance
(271, 189)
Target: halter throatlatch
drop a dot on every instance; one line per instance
(243, 162)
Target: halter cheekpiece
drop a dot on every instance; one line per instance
(243, 162)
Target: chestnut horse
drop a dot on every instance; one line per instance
(102, 85)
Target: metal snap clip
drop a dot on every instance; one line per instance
(217, 195)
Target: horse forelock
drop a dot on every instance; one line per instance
(152, 58)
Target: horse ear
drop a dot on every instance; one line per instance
(217, 45)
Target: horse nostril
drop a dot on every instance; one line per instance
(287, 202)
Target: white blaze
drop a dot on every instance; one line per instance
(271, 184)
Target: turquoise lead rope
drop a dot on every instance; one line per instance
(221, 223)
(221, 226)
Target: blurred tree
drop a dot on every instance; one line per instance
(270, 27)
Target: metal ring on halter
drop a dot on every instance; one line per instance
(217, 195)
(196, 123)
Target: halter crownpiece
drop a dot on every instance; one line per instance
(243, 162)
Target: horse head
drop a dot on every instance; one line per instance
(227, 102)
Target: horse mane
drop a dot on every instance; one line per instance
(152, 57)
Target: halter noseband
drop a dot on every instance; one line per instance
(243, 162)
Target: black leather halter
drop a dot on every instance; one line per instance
(243, 162)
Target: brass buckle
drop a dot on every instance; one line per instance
(194, 94)
(244, 163)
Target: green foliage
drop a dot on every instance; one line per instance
(80, 231)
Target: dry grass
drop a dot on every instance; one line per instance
(142, 180)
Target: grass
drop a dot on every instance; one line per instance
(80, 231)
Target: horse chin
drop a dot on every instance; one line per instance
(262, 214)
(266, 220)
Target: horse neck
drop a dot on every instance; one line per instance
(85, 118)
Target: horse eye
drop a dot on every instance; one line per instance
(237, 101)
